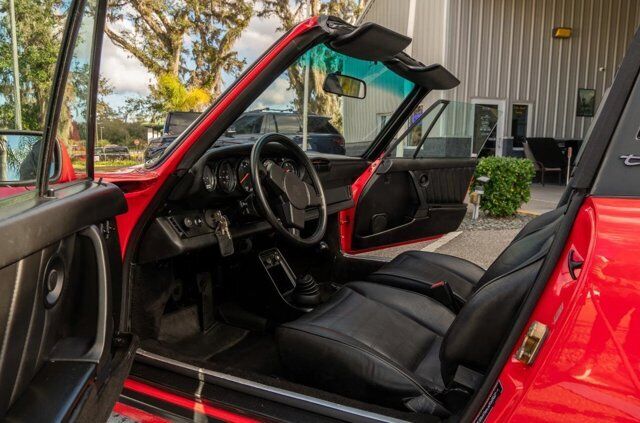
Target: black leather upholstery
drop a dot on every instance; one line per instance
(372, 342)
(396, 347)
(418, 270)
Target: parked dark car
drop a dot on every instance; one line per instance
(174, 125)
(323, 137)
(113, 152)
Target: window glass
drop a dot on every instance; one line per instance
(334, 124)
(73, 129)
(447, 129)
(248, 125)
(30, 40)
(289, 124)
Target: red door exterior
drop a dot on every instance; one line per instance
(588, 369)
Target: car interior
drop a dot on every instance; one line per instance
(241, 270)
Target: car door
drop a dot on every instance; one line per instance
(61, 357)
(416, 190)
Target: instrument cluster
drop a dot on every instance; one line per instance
(234, 175)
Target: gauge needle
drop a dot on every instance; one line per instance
(244, 178)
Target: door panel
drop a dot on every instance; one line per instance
(411, 199)
(55, 296)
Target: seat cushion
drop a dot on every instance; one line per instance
(370, 342)
(418, 270)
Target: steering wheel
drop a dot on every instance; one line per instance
(295, 195)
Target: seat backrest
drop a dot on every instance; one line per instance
(479, 328)
(523, 246)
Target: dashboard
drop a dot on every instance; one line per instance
(220, 184)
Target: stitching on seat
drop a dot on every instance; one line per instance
(375, 356)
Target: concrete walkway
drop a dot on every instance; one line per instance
(543, 198)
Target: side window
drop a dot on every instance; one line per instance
(28, 56)
(73, 125)
(444, 130)
(269, 124)
(248, 124)
(288, 124)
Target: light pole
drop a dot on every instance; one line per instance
(16, 68)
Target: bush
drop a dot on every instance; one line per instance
(509, 185)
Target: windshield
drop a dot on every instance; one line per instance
(319, 120)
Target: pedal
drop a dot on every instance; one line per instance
(207, 318)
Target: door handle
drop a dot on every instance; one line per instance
(574, 265)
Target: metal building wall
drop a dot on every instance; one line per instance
(503, 49)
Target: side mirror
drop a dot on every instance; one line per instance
(344, 85)
(19, 156)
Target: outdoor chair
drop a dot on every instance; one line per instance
(546, 156)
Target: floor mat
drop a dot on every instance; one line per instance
(257, 352)
(181, 331)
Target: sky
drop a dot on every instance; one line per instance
(129, 78)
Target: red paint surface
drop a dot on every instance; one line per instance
(588, 369)
(201, 407)
(347, 217)
(137, 415)
(142, 185)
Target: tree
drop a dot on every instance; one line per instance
(192, 40)
(39, 25)
(170, 94)
(290, 13)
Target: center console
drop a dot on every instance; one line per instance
(301, 293)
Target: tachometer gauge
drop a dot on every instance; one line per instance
(209, 179)
(244, 175)
(289, 166)
(227, 177)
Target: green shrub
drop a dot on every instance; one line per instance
(509, 185)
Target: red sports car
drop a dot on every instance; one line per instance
(221, 281)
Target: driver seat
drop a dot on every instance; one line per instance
(396, 347)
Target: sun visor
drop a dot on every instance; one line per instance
(371, 41)
(433, 77)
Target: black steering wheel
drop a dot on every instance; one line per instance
(295, 196)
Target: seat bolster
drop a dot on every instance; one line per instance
(418, 270)
(337, 363)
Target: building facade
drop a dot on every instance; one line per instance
(507, 58)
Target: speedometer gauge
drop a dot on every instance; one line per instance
(209, 179)
(244, 175)
(227, 177)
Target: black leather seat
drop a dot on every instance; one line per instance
(399, 348)
(419, 270)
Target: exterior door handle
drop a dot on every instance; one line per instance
(574, 265)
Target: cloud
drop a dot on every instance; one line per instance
(277, 96)
(124, 72)
(257, 37)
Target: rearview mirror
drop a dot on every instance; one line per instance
(19, 155)
(344, 85)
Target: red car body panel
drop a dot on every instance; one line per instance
(141, 188)
(588, 369)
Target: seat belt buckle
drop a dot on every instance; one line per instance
(443, 292)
